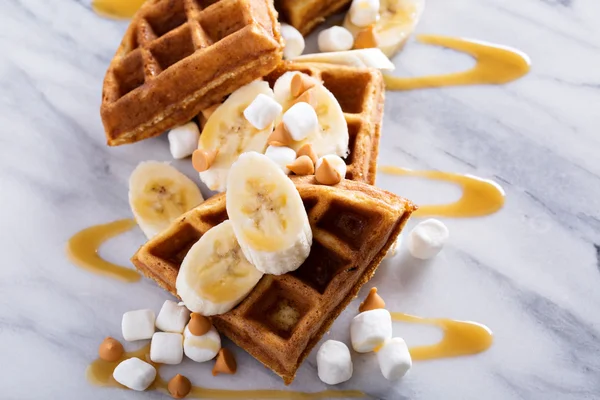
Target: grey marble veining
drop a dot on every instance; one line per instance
(531, 272)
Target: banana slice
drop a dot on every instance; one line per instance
(332, 136)
(267, 214)
(397, 21)
(158, 194)
(361, 58)
(215, 275)
(228, 131)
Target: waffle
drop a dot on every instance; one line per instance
(305, 15)
(281, 320)
(361, 94)
(180, 56)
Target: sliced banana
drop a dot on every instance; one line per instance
(397, 21)
(267, 214)
(229, 132)
(215, 275)
(158, 194)
(361, 58)
(332, 135)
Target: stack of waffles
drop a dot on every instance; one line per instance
(179, 57)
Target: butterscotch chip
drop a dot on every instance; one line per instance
(303, 165)
(199, 324)
(110, 349)
(280, 137)
(179, 386)
(326, 174)
(366, 38)
(372, 301)
(307, 150)
(225, 363)
(300, 84)
(307, 97)
(203, 159)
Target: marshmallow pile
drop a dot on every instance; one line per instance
(370, 331)
(181, 333)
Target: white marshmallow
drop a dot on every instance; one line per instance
(336, 162)
(135, 374)
(166, 348)
(334, 364)
(172, 317)
(262, 111)
(370, 329)
(394, 359)
(201, 348)
(138, 325)
(336, 38)
(294, 41)
(183, 140)
(282, 156)
(427, 239)
(301, 120)
(393, 250)
(364, 12)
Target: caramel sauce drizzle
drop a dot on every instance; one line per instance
(116, 8)
(461, 338)
(496, 64)
(480, 196)
(82, 250)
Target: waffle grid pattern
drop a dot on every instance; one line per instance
(180, 56)
(361, 94)
(284, 316)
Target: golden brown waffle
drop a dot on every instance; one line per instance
(305, 15)
(361, 94)
(281, 320)
(180, 56)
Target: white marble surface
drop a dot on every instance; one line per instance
(530, 272)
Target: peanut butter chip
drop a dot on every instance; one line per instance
(280, 137)
(302, 166)
(110, 349)
(307, 150)
(225, 363)
(366, 38)
(300, 84)
(307, 97)
(372, 302)
(327, 175)
(199, 324)
(179, 386)
(203, 159)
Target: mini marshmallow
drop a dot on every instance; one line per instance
(364, 12)
(135, 374)
(394, 247)
(336, 38)
(262, 111)
(394, 359)
(334, 364)
(283, 156)
(300, 121)
(183, 140)
(370, 329)
(166, 348)
(427, 239)
(172, 317)
(138, 325)
(294, 41)
(201, 348)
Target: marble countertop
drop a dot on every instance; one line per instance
(530, 272)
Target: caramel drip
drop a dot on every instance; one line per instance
(461, 338)
(480, 196)
(496, 64)
(82, 250)
(116, 8)
(100, 372)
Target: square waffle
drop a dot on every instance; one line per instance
(361, 94)
(283, 317)
(305, 15)
(181, 56)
